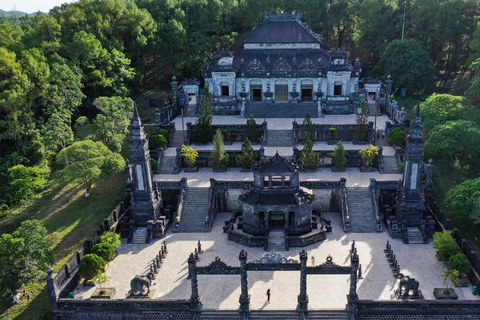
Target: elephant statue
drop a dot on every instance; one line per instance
(406, 284)
(140, 285)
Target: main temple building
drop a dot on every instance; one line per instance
(283, 66)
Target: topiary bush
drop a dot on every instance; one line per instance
(309, 157)
(339, 157)
(154, 165)
(165, 133)
(90, 265)
(445, 244)
(460, 262)
(157, 141)
(104, 250)
(248, 155)
(111, 237)
(398, 137)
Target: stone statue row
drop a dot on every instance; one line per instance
(392, 260)
(140, 285)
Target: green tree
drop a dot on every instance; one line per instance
(88, 161)
(24, 182)
(398, 137)
(462, 199)
(460, 262)
(219, 157)
(409, 64)
(104, 250)
(111, 237)
(157, 141)
(309, 157)
(362, 119)
(445, 244)
(190, 155)
(251, 131)
(91, 265)
(203, 125)
(339, 156)
(248, 155)
(24, 255)
(308, 128)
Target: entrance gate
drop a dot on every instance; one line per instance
(274, 262)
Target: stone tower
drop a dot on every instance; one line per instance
(145, 202)
(410, 202)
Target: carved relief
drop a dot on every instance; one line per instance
(307, 65)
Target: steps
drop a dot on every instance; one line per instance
(139, 236)
(414, 236)
(276, 240)
(281, 110)
(177, 139)
(280, 138)
(191, 110)
(360, 208)
(327, 315)
(220, 315)
(274, 315)
(195, 208)
(390, 163)
(167, 164)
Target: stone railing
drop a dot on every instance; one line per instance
(344, 132)
(392, 110)
(344, 206)
(376, 209)
(231, 133)
(178, 215)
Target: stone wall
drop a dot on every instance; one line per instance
(233, 203)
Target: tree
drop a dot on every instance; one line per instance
(88, 161)
(309, 157)
(440, 108)
(398, 137)
(157, 141)
(104, 250)
(449, 274)
(408, 63)
(462, 199)
(445, 244)
(110, 237)
(247, 156)
(218, 156)
(460, 262)
(362, 119)
(251, 131)
(339, 157)
(91, 265)
(24, 182)
(308, 128)
(24, 255)
(203, 125)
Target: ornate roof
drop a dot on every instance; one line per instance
(282, 28)
(275, 164)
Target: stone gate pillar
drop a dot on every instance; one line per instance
(195, 304)
(302, 306)
(244, 297)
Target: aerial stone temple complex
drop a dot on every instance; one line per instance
(284, 66)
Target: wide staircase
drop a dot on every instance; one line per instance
(414, 236)
(281, 110)
(390, 163)
(280, 138)
(177, 139)
(274, 315)
(167, 164)
(220, 315)
(360, 209)
(195, 208)
(139, 236)
(276, 240)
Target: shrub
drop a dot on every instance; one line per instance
(219, 156)
(339, 156)
(248, 155)
(165, 133)
(309, 157)
(154, 165)
(157, 141)
(111, 237)
(445, 244)
(398, 137)
(203, 126)
(251, 132)
(460, 262)
(332, 133)
(104, 250)
(91, 265)
(308, 128)
(190, 155)
(368, 155)
(362, 119)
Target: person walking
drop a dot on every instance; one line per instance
(313, 260)
(268, 295)
(383, 135)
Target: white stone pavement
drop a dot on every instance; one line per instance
(221, 292)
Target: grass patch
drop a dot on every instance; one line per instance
(70, 219)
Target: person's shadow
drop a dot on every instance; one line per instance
(264, 305)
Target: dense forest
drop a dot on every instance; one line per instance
(80, 66)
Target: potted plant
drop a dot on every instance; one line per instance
(248, 155)
(219, 157)
(368, 155)
(447, 293)
(191, 156)
(226, 137)
(332, 132)
(101, 292)
(309, 157)
(339, 158)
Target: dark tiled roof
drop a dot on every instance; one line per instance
(261, 55)
(282, 31)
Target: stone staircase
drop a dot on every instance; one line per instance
(177, 139)
(195, 208)
(390, 163)
(219, 315)
(276, 240)
(414, 236)
(360, 209)
(139, 236)
(327, 315)
(274, 315)
(281, 110)
(191, 110)
(280, 138)
(167, 164)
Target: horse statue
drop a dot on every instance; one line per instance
(407, 284)
(140, 285)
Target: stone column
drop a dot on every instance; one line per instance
(195, 304)
(302, 307)
(352, 296)
(244, 297)
(53, 290)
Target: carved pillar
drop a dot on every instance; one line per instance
(195, 304)
(302, 306)
(244, 297)
(352, 297)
